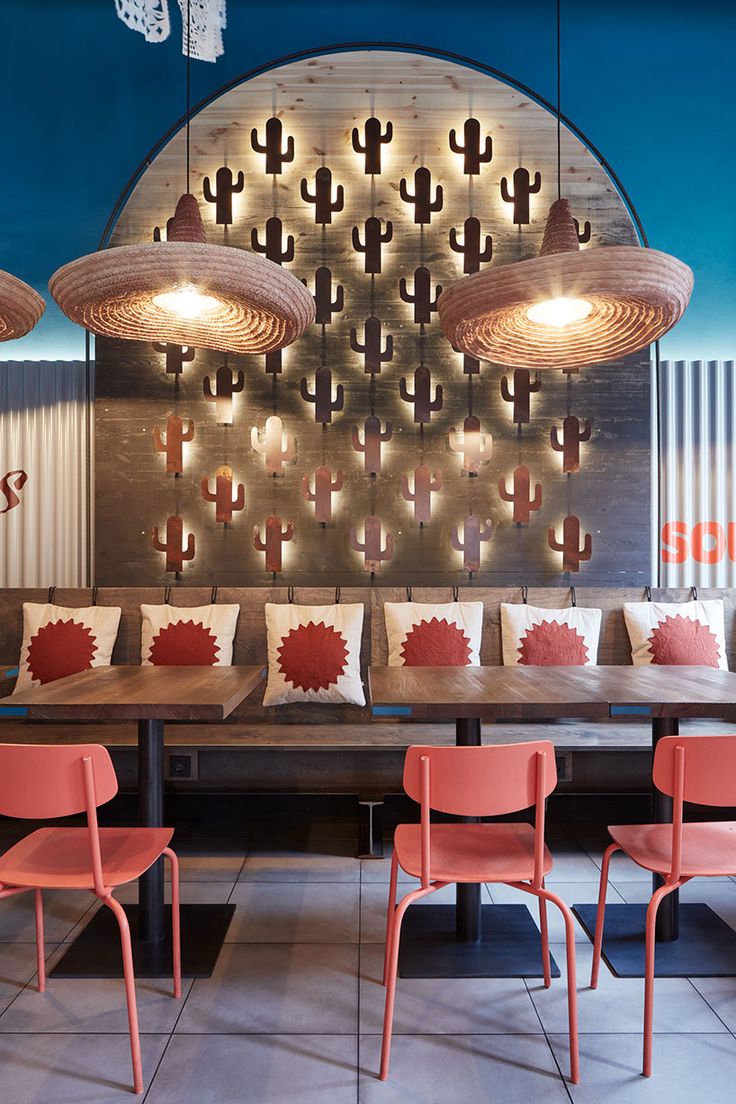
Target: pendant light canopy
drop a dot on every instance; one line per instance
(20, 307)
(185, 292)
(568, 307)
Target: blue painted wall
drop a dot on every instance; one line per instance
(652, 83)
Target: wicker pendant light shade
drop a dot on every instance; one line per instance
(20, 307)
(185, 292)
(567, 307)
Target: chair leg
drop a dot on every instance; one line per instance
(175, 921)
(600, 915)
(40, 948)
(390, 913)
(135, 1043)
(652, 908)
(545, 941)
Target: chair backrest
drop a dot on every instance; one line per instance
(709, 769)
(481, 781)
(41, 781)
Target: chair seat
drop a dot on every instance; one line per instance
(471, 852)
(707, 849)
(60, 858)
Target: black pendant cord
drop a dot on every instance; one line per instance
(189, 79)
(559, 99)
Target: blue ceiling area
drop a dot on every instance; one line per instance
(652, 84)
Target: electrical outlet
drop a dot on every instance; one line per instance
(182, 766)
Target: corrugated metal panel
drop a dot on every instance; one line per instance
(697, 477)
(44, 433)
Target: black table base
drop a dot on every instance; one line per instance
(96, 951)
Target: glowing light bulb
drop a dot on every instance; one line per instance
(186, 302)
(559, 312)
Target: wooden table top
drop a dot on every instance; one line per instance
(527, 693)
(140, 693)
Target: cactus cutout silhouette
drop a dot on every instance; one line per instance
(424, 205)
(157, 236)
(474, 533)
(276, 158)
(222, 496)
(471, 249)
(572, 554)
(474, 157)
(584, 234)
(278, 448)
(176, 356)
(273, 247)
(272, 544)
(374, 237)
(324, 488)
(523, 188)
(519, 495)
(373, 355)
(370, 546)
(421, 297)
(425, 484)
(371, 146)
(475, 446)
(226, 385)
(373, 438)
(324, 404)
(572, 435)
(222, 196)
(172, 446)
(424, 405)
(272, 362)
(324, 204)
(523, 388)
(324, 304)
(176, 551)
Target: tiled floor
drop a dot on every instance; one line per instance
(293, 1012)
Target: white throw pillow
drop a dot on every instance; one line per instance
(429, 634)
(58, 641)
(188, 636)
(313, 653)
(677, 633)
(538, 637)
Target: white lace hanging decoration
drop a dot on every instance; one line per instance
(207, 19)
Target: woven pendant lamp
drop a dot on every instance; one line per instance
(185, 292)
(568, 307)
(20, 307)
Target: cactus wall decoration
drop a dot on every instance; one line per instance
(276, 157)
(520, 495)
(475, 532)
(370, 347)
(523, 188)
(371, 145)
(226, 385)
(222, 496)
(373, 438)
(421, 198)
(373, 554)
(476, 447)
(424, 405)
(157, 235)
(273, 541)
(176, 356)
(470, 247)
(569, 546)
(324, 488)
(222, 194)
(325, 306)
(523, 388)
(277, 447)
(273, 247)
(425, 485)
(569, 446)
(374, 236)
(172, 446)
(474, 157)
(424, 303)
(176, 551)
(324, 204)
(584, 234)
(324, 404)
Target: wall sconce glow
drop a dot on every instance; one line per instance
(187, 302)
(559, 312)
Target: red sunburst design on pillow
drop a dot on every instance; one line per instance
(313, 656)
(61, 648)
(436, 643)
(678, 641)
(184, 644)
(553, 644)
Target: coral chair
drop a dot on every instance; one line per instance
(40, 782)
(477, 782)
(701, 769)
